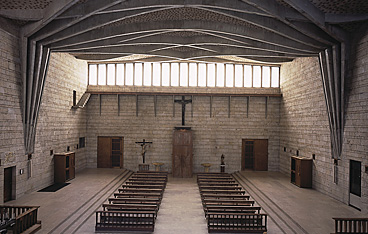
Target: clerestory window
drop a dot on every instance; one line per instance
(185, 75)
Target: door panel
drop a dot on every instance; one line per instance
(176, 170)
(186, 161)
(8, 184)
(109, 152)
(355, 184)
(261, 155)
(355, 177)
(104, 152)
(116, 152)
(254, 154)
(182, 154)
(248, 154)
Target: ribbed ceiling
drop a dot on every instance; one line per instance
(188, 30)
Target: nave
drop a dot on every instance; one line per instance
(289, 208)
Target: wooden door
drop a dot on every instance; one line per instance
(182, 161)
(103, 152)
(248, 154)
(109, 152)
(116, 152)
(255, 154)
(261, 155)
(355, 184)
(8, 184)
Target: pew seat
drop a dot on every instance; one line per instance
(237, 223)
(109, 221)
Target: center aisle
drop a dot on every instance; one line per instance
(181, 210)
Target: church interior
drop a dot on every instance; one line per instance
(271, 95)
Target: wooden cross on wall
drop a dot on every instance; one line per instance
(183, 103)
(144, 144)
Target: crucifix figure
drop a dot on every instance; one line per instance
(144, 144)
(183, 102)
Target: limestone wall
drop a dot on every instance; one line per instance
(356, 121)
(58, 126)
(11, 128)
(304, 123)
(212, 136)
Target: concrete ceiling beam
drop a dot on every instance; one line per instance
(315, 15)
(258, 35)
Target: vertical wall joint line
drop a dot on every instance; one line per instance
(191, 109)
(118, 97)
(99, 102)
(229, 107)
(248, 101)
(155, 104)
(211, 99)
(136, 105)
(266, 106)
(173, 101)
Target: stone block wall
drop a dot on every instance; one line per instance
(355, 145)
(58, 126)
(11, 128)
(304, 122)
(212, 135)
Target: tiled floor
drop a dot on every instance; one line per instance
(290, 209)
(294, 209)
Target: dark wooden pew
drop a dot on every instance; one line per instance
(224, 210)
(223, 180)
(351, 225)
(209, 176)
(225, 196)
(135, 200)
(227, 207)
(244, 206)
(227, 202)
(214, 178)
(149, 182)
(109, 221)
(235, 222)
(153, 176)
(140, 190)
(130, 207)
(136, 195)
(135, 205)
(165, 173)
(143, 186)
(218, 184)
(207, 191)
(220, 188)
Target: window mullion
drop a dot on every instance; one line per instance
(252, 73)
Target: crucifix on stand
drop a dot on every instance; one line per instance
(144, 144)
(183, 102)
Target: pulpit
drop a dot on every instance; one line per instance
(182, 158)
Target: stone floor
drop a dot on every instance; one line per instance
(290, 209)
